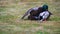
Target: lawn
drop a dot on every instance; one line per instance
(12, 11)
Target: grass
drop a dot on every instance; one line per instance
(11, 22)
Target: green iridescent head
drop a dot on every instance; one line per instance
(45, 7)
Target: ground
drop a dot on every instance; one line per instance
(12, 11)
